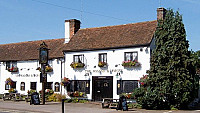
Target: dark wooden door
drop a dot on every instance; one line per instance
(102, 87)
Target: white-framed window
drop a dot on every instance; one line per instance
(22, 86)
(130, 56)
(78, 58)
(103, 57)
(57, 87)
(11, 64)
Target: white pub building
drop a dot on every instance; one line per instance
(102, 62)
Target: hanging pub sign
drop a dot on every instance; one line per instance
(43, 56)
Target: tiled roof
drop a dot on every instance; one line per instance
(127, 35)
(29, 50)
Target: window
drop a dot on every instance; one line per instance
(22, 86)
(103, 57)
(33, 85)
(49, 85)
(7, 65)
(126, 86)
(10, 65)
(7, 86)
(79, 85)
(130, 56)
(79, 58)
(57, 87)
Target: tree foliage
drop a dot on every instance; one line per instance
(171, 82)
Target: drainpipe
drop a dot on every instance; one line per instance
(61, 76)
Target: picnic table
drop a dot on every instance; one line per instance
(109, 103)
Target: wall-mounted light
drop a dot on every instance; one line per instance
(141, 49)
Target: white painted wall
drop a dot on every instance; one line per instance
(29, 68)
(114, 57)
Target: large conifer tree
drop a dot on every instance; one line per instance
(171, 79)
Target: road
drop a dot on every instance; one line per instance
(53, 107)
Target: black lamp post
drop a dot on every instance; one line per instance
(43, 60)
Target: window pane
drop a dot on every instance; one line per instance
(57, 87)
(135, 57)
(49, 85)
(14, 85)
(76, 58)
(22, 87)
(129, 86)
(127, 56)
(7, 65)
(103, 57)
(79, 85)
(33, 85)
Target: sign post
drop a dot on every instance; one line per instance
(43, 60)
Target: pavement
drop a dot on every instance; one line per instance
(55, 107)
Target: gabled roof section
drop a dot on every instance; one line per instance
(128, 35)
(29, 50)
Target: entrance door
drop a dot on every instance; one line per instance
(102, 87)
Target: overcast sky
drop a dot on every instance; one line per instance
(29, 20)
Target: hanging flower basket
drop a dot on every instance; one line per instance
(47, 69)
(9, 81)
(77, 65)
(13, 69)
(12, 90)
(131, 63)
(102, 64)
(65, 81)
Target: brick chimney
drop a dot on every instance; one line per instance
(161, 13)
(71, 27)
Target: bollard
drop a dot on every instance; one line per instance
(63, 110)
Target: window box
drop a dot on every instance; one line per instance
(77, 65)
(13, 69)
(131, 63)
(102, 64)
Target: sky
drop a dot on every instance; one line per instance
(30, 20)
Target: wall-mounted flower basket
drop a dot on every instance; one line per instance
(12, 90)
(13, 69)
(77, 65)
(9, 81)
(131, 64)
(65, 81)
(47, 69)
(102, 64)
